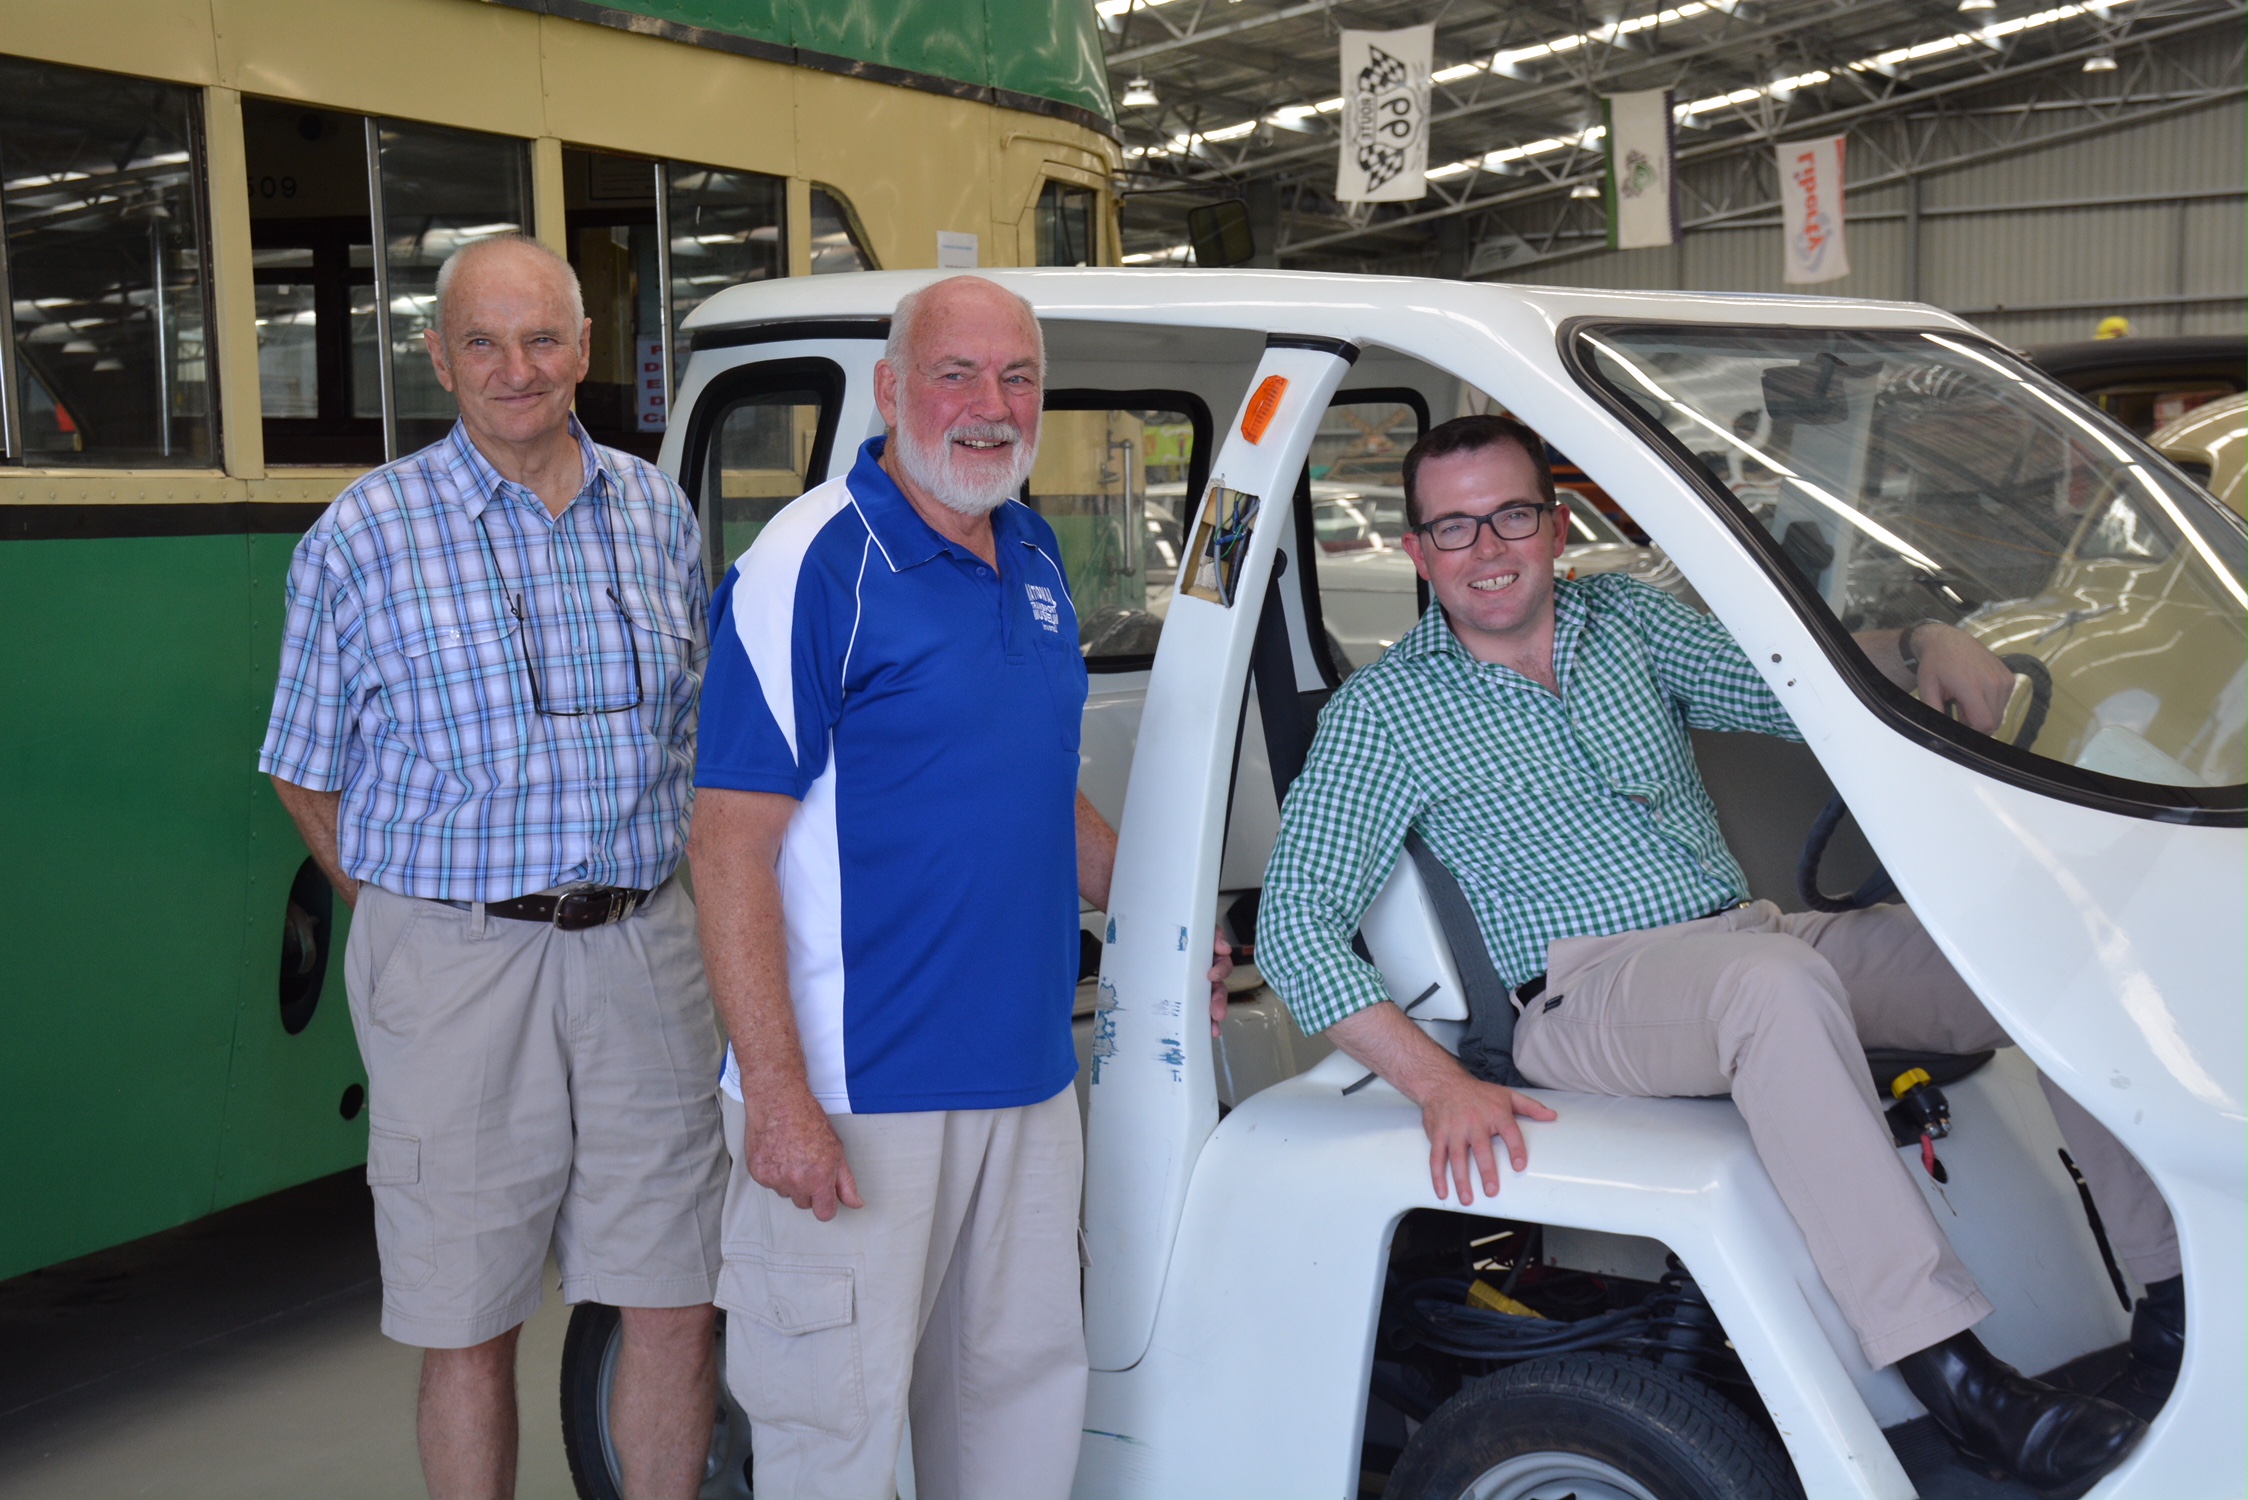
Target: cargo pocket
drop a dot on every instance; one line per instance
(405, 1235)
(798, 1359)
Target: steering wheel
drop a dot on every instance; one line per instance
(1878, 887)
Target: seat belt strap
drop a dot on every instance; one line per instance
(1487, 1050)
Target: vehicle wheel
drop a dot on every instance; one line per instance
(589, 1376)
(1596, 1426)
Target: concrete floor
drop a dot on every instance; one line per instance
(236, 1358)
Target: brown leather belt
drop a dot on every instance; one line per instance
(573, 911)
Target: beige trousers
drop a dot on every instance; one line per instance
(953, 1294)
(1776, 1009)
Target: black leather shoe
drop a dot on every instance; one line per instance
(2158, 1326)
(2023, 1428)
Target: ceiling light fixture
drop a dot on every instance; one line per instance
(1978, 4)
(1584, 190)
(2100, 62)
(1140, 94)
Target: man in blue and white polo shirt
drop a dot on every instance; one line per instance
(889, 848)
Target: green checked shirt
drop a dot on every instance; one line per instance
(1561, 816)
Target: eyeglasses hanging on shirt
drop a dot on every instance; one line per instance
(516, 607)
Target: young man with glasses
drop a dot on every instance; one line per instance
(485, 731)
(1534, 734)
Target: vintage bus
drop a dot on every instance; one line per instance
(222, 224)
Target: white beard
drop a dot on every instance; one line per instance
(935, 467)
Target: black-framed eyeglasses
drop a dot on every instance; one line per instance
(1509, 523)
(523, 637)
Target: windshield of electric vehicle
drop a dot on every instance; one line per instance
(1923, 476)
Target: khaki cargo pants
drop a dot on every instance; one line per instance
(954, 1293)
(1776, 1009)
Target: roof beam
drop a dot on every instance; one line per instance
(1213, 33)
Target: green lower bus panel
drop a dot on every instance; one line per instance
(149, 1076)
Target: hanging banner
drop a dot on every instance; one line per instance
(1385, 115)
(1811, 210)
(1642, 152)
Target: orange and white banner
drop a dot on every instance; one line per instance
(1811, 210)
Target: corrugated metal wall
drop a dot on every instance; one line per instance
(2177, 265)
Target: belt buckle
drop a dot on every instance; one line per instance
(591, 906)
(571, 913)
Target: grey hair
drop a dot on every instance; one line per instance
(908, 311)
(454, 262)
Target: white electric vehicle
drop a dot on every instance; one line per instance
(1273, 1291)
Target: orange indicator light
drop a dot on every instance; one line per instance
(1262, 406)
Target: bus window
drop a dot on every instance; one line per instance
(725, 227)
(768, 433)
(1116, 478)
(441, 189)
(611, 208)
(1369, 595)
(104, 298)
(1065, 225)
(321, 354)
(313, 259)
(838, 239)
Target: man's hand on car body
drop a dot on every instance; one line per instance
(1221, 969)
(1459, 1112)
(1460, 1117)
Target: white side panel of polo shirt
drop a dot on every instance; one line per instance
(811, 867)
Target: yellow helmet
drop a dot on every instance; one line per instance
(2114, 326)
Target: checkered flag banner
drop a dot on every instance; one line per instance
(1384, 157)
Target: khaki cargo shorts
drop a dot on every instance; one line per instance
(529, 1086)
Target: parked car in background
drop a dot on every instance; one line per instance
(2144, 383)
(2208, 443)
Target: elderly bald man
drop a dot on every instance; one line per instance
(485, 731)
(890, 846)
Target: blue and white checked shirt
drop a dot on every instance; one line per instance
(406, 675)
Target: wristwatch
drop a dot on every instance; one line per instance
(1906, 649)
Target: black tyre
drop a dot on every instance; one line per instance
(1596, 1426)
(589, 1375)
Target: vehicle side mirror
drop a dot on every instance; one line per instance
(1221, 234)
(1807, 547)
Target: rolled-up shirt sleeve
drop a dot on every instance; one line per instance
(1341, 831)
(1702, 668)
(306, 739)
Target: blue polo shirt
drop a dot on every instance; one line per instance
(925, 709)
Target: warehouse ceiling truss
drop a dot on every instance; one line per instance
(1245, 104)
